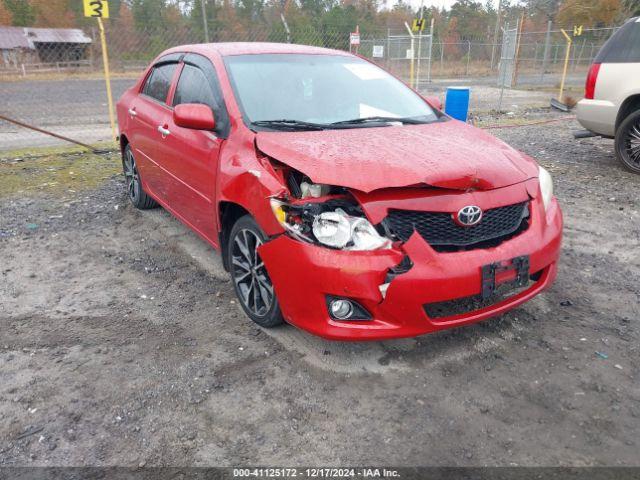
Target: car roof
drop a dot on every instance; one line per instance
(256, 48)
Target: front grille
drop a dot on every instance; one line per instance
(443, 234)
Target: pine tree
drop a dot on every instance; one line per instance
(632, 7)
(21, 12)
(590, 13)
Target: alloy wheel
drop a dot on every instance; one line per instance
(250, 275)
(632, 144)
(131, 176)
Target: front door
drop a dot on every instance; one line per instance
(191, 156)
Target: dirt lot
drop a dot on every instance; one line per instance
(121, 342)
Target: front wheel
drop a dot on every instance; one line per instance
(627, 142)
(250, 278)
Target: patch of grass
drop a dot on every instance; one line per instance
(34, 152)
(55, 171)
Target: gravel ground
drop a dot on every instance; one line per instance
(121, 342)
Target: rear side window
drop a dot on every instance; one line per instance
(159, 82)
(623, 46)
(193, 87)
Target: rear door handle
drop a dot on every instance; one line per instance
(132, 112)
(164, 131)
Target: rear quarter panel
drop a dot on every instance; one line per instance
(617, 81)
(122, 106)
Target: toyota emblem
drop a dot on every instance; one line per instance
(469, 215)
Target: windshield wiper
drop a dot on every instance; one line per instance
(289, 124)
(380, 119)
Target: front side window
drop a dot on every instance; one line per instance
(159, 82)
(321, 89)
(193, 87)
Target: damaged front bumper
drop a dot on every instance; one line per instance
(440, 290)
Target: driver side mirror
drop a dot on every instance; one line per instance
(434, 102)
(194, 115)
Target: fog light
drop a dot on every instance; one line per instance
(346, 309)
(341, 309)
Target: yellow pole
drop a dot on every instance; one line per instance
(107, 77)
(566, 62)
(411, 69)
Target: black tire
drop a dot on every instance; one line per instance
(135, 192)
(250, 278)
(627, 142)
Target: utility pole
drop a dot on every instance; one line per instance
(514, 80)
(430, 50)
(420, 44)
(503, 64)
(286, 28)
(545, 56)
(495, 34)
(204, 21)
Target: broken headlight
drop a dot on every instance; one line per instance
(546, 187)
(334, 224)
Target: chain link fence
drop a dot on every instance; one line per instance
(52, 78)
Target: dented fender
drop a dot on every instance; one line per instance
(328, 271)
(249, 180)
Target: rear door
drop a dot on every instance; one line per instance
(148, 111)
(192, 155)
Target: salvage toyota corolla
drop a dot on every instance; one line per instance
(342, 201)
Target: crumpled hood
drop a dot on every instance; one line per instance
(447, 154)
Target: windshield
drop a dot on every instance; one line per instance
(320, 90)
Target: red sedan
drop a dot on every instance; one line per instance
(341, 200)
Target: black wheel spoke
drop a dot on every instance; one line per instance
(264, 282)
(243, 247)
(249, 273)
(254, 291)
(265, 295)
(631, 146)
(241, 276)
(246, 292)
(131, 176)
(237, 261)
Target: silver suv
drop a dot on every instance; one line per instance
(611, 104)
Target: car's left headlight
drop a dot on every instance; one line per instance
(546, 187)
(328, 225)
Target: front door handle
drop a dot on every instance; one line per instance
(132, 112)
(164, 131)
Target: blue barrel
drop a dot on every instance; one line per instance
(457, 103)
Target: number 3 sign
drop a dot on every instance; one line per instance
(96, 8)
(99, 9)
